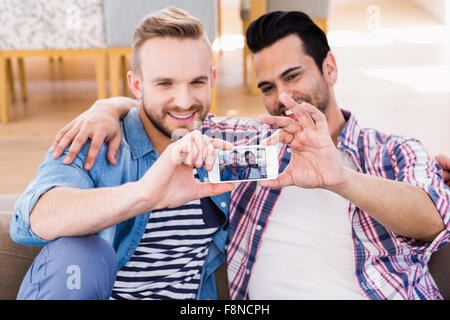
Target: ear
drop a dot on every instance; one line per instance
(135, 84)
(329, 68)
(213, 77)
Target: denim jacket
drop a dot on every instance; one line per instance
(136, 155)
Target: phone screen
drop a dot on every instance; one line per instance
(243, 164)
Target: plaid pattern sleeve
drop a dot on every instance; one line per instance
(406, 160)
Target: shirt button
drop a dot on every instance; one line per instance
(247, 271)
(288, 150)
(223, 204)
(258, 227)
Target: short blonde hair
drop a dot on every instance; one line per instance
(168, 22)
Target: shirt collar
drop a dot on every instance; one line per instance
(135, 135)
(348, 138)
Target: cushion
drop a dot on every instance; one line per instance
(15, 258)
(51, 24)
(130, 14)
(313, 8)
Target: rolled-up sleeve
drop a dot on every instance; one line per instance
(417, 167)
(51, 173)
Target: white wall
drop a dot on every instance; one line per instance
(438, 8)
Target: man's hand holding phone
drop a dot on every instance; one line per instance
(170, 182)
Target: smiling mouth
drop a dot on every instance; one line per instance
(182, 117)
(289, 114)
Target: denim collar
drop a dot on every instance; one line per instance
(348, 138)
(135, 135)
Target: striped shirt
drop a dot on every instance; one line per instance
(388, 266)
(168, 261)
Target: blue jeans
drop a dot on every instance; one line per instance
(78, 268)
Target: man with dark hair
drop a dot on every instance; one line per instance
(252, 170)
(280, 24)
(354, 214)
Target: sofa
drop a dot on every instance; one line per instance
(15, 259)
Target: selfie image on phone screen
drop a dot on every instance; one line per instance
(245, 163)
(242, 164)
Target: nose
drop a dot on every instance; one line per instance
(286, 90)
(183, 99)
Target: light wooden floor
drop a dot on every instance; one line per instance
(394, 78)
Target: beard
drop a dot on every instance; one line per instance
(320, 98)
(157, 119)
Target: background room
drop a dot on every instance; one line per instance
(393, 59)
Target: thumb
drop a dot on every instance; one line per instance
(282, 180)
(213, 189)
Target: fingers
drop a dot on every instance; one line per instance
(78, 142)
(113, 149)
(195, 149)
(281, 136)
(287, 101)
(211, 157)
(186, 149)
(200, 148)
(58, 138)
(316, 117)
(282, 180)
(443, 161)
(309, 116)
(446, 176)
(285, 123)
(94, 149)
(221, 144)
(64, 141)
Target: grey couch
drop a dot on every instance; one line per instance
(15, 260)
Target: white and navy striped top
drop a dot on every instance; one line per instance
(168, 261)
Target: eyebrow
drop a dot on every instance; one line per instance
(263, 83)
(162, 79)
(201, 78)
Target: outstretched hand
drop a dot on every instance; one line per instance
(170, 181)
(444, 162)
(315, 161)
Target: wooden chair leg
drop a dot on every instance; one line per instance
(100, 73)
(4, 111)
(244, 65)
(22, 78)
(321, 23)
(254, 84)
(114, 71)
(213, 106)
(219, 25)
(10, 78)
(245, 52)
(124, 70)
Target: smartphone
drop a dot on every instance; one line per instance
(245, 163)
